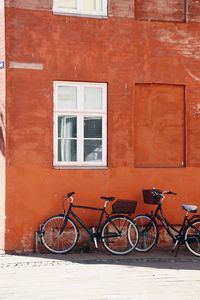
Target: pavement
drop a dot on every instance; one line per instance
(157, 274)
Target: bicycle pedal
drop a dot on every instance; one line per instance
(95, 243)
(175, 245)
(94, 238)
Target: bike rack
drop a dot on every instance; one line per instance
(38, 242)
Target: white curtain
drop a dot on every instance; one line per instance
(66, 132)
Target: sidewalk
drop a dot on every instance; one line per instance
(100, 276)
(156, 255)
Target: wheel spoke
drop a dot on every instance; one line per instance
(148, 233)
(115, 235)
(192, 238)
(56, 242)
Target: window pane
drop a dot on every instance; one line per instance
(66, 4)
(93, 98)
(92, 127)
(67, 150)
(67, 126)
(67, 97)
(92, 150)
(93, 5)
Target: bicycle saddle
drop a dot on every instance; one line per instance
(190, 208)
(108, 198)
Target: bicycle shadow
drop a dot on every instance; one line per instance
(156, 259)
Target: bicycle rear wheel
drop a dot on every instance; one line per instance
(56, 241)
(148, 233)
(192, 237)
(119, 235)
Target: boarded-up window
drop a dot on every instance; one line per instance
(159, 132)
(194, 10)
(160, 10)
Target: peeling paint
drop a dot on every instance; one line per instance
(190, 72)
(196, 112)
(185, 44)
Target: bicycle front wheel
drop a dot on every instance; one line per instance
(119, 235)
(57, 239)
(192, 237)
(148, 233)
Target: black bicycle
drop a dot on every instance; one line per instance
(118, 232)
(189, 233)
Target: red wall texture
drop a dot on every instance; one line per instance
(2, 125)
(152, 68)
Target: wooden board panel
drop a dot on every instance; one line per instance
(159, 132)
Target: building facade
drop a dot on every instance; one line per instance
(97, 97)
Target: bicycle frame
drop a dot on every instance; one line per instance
(117, 232)
(169, 228)
(83, 225)
(188, 233)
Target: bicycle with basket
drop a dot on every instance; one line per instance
(188, 234)
(117, 231)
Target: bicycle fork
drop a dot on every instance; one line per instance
(178, 241)
(176, 247)
(64, 224)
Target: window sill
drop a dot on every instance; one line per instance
(62, 13)
(80, 167)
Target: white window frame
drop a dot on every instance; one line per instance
(80, 11)
(80, 113)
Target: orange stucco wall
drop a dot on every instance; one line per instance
(2, 126)
(122, 50)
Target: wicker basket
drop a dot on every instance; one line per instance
(150, 197)
(124, 207)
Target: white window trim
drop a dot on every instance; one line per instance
(80, 113)
(80, 10)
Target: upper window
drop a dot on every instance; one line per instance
(80, 124)
(81, 7)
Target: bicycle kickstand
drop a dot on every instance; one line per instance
(94, 238)
(175, 249)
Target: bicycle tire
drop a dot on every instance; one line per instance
(148, 237)
(119, 235)
(192, 237)
(55, 242)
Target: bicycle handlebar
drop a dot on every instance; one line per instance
(165, 192)
(172, 193)
(69, 195)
